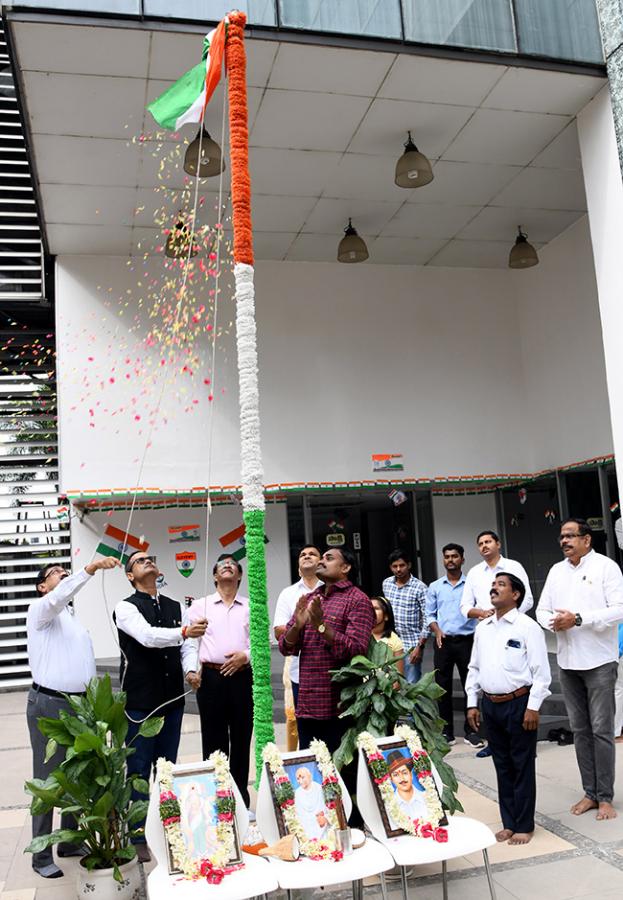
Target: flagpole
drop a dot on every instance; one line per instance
(253, 503)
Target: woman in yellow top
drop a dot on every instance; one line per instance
(384, 629)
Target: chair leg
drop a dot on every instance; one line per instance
(485, 856)
(444, 877)
(405, 889)
(383, 886)
(358, 889)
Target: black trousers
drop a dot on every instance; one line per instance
(514, 753)
(226, 713)
(455, 651)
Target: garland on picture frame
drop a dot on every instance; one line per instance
(313, 848)
(212, 868)
(379, 770)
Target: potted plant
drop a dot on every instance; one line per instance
(92, 784)
(374, 696)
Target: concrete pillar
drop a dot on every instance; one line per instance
(604, 196)
(611, 27)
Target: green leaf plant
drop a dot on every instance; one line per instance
(92, 782)
(375, 696)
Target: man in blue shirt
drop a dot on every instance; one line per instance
(407, 595)
(454, 636)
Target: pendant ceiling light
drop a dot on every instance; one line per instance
(178, 241)
(413, 169)
(523, 255)
(352, 248)
(211, 162)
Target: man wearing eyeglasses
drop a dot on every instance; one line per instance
(157, 650)
(60, 656)
(582, 601)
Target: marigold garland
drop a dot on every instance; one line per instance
(421, 762)
(213, 868)
(313, 848)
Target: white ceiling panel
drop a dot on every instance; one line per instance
(563, 152)
(331, 216)
(440, 80)
(359, 176)
(146, 241)
(81, 160)
(173, 53)
(544, 189)
(534, 90)
(495, 223)
(155, 204)
(473, 255)
(499, 136)
(426, 220)
(403, 251)
(79, 48)
(468, 184)
(303, 173)
(280, 213)
(88, 204)
(330, 69)
(314, 248)
(299, 120)
(384, 128)
(89, 239)
(272, 244)
(85, 105)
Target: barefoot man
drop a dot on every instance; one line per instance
(509, 669)
(582, 601)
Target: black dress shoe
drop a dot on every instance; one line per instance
(49, 871)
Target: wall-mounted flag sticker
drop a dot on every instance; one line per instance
(387, 462)
(179, 533)
(120, 544)
(186, 562)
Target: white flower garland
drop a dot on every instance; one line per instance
(284, 797)
(215, 866)
(421, 762)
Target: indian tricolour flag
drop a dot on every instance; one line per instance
(186, 100)
(119, 544)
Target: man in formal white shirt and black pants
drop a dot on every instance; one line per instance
(582, 601)
(60, 656)
(476, 599)
(510, 670)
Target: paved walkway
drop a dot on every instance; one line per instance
(569, 856)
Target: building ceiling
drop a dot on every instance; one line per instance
(326, 128)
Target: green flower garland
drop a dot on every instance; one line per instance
(259, 628)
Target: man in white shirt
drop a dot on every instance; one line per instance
(510, 670)
(157, 646)
(60, 656)
(476, 600)
(309, 557)
(582, 601)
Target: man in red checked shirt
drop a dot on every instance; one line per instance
(328, 628)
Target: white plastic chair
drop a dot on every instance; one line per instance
(256, 879)
(464, 836)
(370, 859)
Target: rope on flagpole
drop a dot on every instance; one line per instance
(252, 475)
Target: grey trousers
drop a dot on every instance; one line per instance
(42, 705)
(589, 695)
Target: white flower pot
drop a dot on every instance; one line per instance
(100, 884)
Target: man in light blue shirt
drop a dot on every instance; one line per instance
(454, 637)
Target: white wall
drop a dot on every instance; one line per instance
(353, 361)
(458, 520)
(97, 600)
(562, 349)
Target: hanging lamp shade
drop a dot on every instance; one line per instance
(178, 241)
(413, 169)
(523, 255)
(352, 248)
(211, 162)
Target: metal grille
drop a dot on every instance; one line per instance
(32, 533)
(21, 251)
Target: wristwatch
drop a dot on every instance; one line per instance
(321, 628)
(578, 619)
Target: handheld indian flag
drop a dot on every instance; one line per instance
(120, 544)
(186, 100)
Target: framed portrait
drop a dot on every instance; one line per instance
(310, 800)
(196, 792)
(406, 792)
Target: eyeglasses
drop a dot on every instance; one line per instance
(141, 559)
(564, 537)
(57, 570)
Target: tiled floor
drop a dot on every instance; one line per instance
(569, 857)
